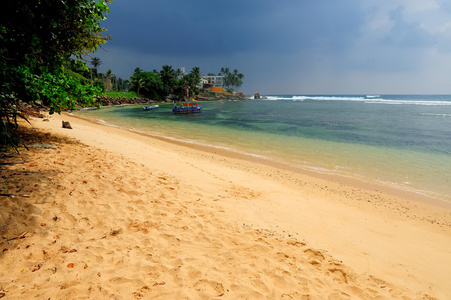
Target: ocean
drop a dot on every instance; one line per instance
(402, 141)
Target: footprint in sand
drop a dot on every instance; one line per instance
(209, 287)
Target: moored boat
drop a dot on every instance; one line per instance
(187, 109)
(151, 107)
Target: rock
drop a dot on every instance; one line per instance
(66, 125)
(111, 101)
(218, 96)
(27, 109)
(45, 146)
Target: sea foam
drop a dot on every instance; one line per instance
(369, 99)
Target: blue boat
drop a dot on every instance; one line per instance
(187, 109)
(152, 107)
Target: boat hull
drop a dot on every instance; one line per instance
(152, 107)
(187, 110)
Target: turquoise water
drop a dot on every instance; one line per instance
(403, 141)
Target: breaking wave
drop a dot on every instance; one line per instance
(372, 99)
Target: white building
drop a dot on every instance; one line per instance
(216, 81)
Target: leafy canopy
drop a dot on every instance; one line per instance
(159, 84)
(37, 40)
(46, 32)
(232, 80)
(172, 81)
(147, 84)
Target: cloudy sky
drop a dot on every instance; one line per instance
(289, 46)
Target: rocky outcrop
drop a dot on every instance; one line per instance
(110, 101)
(33, 110)
(220, 96)
(37, 108)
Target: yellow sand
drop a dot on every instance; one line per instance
(112, 214)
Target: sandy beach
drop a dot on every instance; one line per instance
(102, 213)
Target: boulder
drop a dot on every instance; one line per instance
(66, 125)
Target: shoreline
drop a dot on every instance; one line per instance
(158, 219)
(366, 184)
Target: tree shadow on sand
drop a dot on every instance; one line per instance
(25, 183)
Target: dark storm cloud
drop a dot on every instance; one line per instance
(202, 28)
(288, 46)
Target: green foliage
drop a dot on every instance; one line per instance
(190, 80)
(58, 90)
(46, 32)
(120, 85)
(168, 78)
(74, 74)
(77, 68)
(194, 79)
(147, 84)
(115, 94)
(232, 80)
(38, 38)
(172, 81)
(99, 84)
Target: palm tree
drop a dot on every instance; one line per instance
(134, 81)
(168, 75)
(237, 79)
(224, 71)
(195, 79)
(95, 62)
(178, 73)
(141, 84)
(137, 71)
(121, 84)
(233, 79)
(196, 71)
(137, 83)
(227, 77)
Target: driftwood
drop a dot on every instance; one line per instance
(18, 237)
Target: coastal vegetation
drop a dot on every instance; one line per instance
(147, 84)
(165, 83)
(44, 55)
(232, 80)
(42, 45)
(115, 94)
(170, 82)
